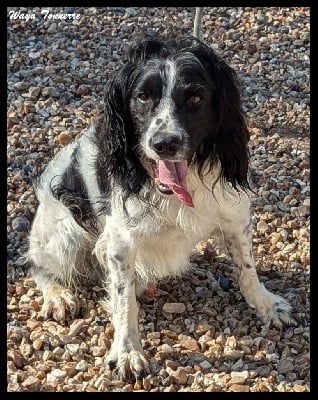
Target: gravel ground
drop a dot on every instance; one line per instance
(198, 333)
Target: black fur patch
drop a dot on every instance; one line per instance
(73, 194)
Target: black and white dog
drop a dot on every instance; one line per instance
(126, 202)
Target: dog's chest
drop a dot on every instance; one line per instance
(166, 239)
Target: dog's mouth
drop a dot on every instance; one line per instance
(171, 178)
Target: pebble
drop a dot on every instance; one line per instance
(190, 344)
(239, 388)
(64, 138)
(31, 384)
(262, 227)
(180, 376)
(72, 348)
(205, 365)
(58, 374)
(174, 308)
(20, 224)
(263, 370)
(81, 365)
(284, 366)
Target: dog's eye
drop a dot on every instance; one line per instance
(194, 100)
(144, 98)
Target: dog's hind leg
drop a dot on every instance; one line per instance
(56, 244)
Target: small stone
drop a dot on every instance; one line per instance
(46, 355)
(205, 365)
(31, 384)
(239, 388)
(15, 357)
(34, 91)
(263, 370)
(299, 388)
(126, 388)
(171, 364)
(213, 388)
(298, 330)
(146, 384)
(284, 366)
(238, 365)
(72, 348)
(21, 224)
(224, 283)
(287, 198)
(174, 308)
(58, 373)
(262, 227)
(260, 99)
(48, 91)
(98, 351)
(21, 86)
(153, 335)
(238, 377)
(227, 331)
(81, 365)
(190, 344)
(303, 211)
(35, 55)
(75, 327)
(171, 388)
(35, 305)
(82, 90)
(203, 292)
(131, 11)
(252, 49)
(64, 138)
(37, 344)
(180, 376)
(233, 354)
(167, 348)
(275, 238)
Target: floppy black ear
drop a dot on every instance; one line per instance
(115, 136)
(232, 134)
(228, 141)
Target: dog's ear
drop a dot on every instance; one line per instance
(228, 143)
(232, 134)
(115, 136)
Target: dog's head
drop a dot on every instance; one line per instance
(174, 105)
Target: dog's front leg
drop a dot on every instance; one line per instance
(126, 354)
(237, 231)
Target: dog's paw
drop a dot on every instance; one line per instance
(276, 311)
(60, 304)
(128, 366)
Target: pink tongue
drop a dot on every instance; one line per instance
(173, 174)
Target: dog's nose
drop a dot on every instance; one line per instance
(166, 146)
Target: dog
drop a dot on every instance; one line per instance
(164, 165)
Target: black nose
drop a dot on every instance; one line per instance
(166, 146)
